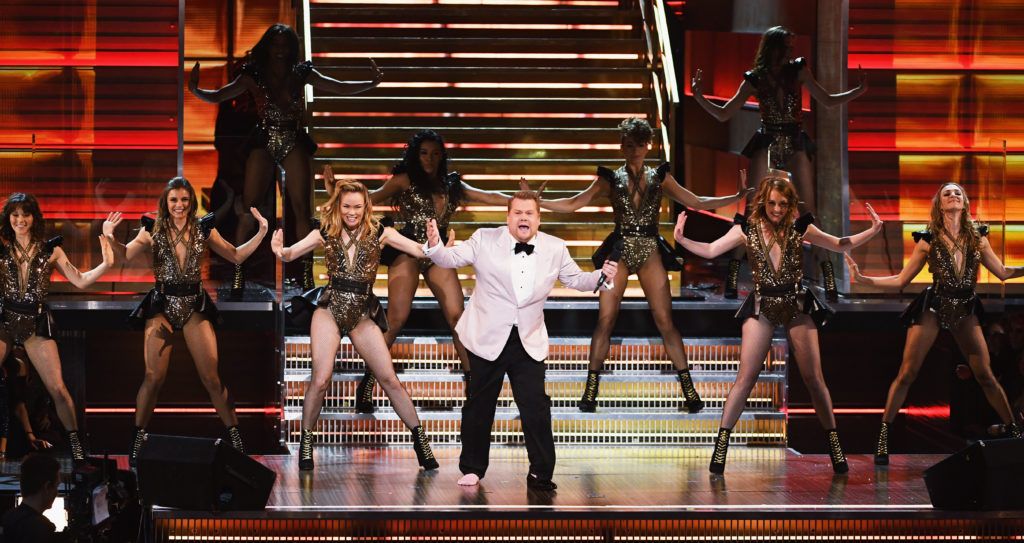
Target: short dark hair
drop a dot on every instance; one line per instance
(525, 195)
(636, 129)
(38, 470)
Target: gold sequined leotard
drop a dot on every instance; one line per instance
(951, 295)
(779, 102)
(179, 290)
(349, 294)
(415, 207)
(24, 310)
(281, 126)
(778, 294)
(636, 224)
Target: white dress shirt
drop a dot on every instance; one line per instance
(524, 272)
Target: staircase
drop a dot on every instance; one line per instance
(517, 89)
(640, 402)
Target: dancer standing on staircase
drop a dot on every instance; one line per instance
(773, 236)
(178, 301)
(26, 263)
(953, 246)
(635, 192)
(421, 188)
(352, 240)
(276, 80)
(503, 327)
(781, 142)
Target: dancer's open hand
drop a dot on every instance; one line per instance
(328, 178)
(264, 226)
(378, 74)
(277, 243)
(855, 274)
(433, 236)
(876, 221)
(862, 77)
(193, 78)
(38, 444)
(451, 238)
(744, 189)
(113, 219)
(677, 232)
(107, 251)
(525, 185)
(695, 82)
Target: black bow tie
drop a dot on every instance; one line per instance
(524, 247)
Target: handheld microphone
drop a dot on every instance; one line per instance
(614, 257)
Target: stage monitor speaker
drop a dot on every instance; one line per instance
(201, 475)
(987, 475)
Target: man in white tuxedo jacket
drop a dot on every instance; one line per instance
(503, 329)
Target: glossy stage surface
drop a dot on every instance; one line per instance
(604, 494)
(595, 478)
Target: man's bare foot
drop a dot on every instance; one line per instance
(469, 479)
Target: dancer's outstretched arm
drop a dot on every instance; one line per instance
(827, 99)
(237, 255)
(84, 279)
(683, 195)
(303, 246)
(580, 199)
(732, 239)
(996, 266)
(914, 266)
(815, 236)
(724, 112)
(395, 239)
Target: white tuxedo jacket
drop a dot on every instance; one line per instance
(493, 309)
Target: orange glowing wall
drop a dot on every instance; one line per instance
(946, 79)
(88, 113)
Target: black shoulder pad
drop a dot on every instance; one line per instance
(606, 174)
(922, 234)
(54, 242)
(662, 171)
(148, 223)
(207, 224)
(803, 222)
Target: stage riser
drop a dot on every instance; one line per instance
(767, 429)
(777, 528)
(641, 401)
(567, 353)
(450, 395)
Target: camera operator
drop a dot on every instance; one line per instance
(40, 480)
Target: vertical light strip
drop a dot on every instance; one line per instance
(181, 88)
(307, 43)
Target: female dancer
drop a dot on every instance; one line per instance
(275, 79)
(773, 237)
(635, 192)
(776, 79)
(422, 188)
(26, 263)
(179, 302)
(954, 246)
(352, 240)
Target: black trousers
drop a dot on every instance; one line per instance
(526, 376)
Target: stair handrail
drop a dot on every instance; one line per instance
(659, 58)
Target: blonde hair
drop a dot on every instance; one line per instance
(968, 228)
(330, 212)
(779, 181)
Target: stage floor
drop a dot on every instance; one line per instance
(594, 478)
